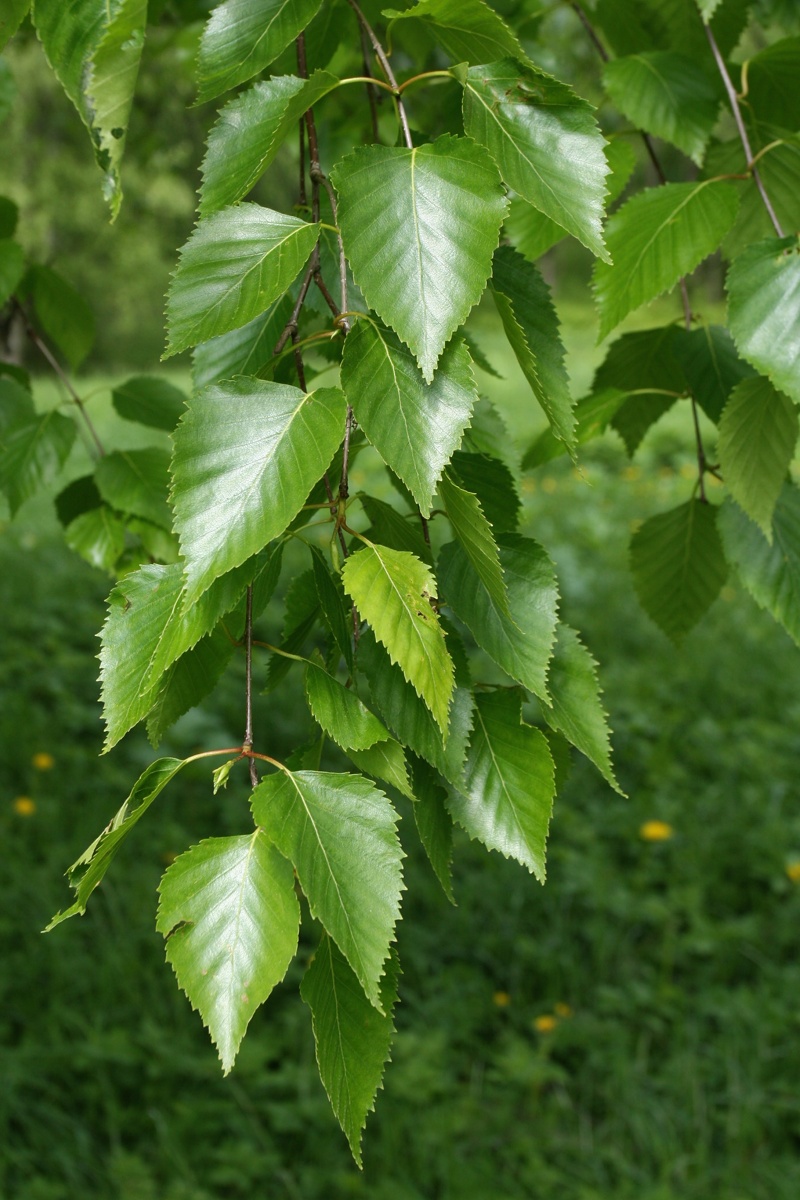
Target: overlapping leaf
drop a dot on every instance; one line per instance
(352, 1038)
(236, 264)
(136, 482)
(493, 483)
(339, 832)
(246, 456)
(11, 18)
(242, 37)
(149, 401)
(188, 681)
(710, 365)
(434, 823)
(678, 566)
(771, 573)
(666, 94)
(229, 913)
(507, 799)
(62, 314)
(474, 533)
(32, 452)
(392, 590)
(656, 238)
(763, 288)
(244, 351)
(468, 30)
(757, 437)
(12, 265)
(545, 141)
(386, 762)
(340, 712)
(419, 229)
(415, 426)
(772, 83)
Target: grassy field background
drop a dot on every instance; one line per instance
(628, 1032)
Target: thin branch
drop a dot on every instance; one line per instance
(344, 486)
(590, 29)
(247, 743)
(302, 198)
(737, 116)
(380, 54)
(291, 325)
(47, 353)
(298, 362)
(372, 94)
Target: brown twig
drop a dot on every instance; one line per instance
(247, 743)
(380, 54)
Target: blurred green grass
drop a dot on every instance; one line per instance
(669, 968)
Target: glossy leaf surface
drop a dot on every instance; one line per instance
(764, 310)
(244, 36)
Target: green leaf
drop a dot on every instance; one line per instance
(635, 363)
(249, 132)
(246, 456)
(12, 16)
(236, 264)
(493, 484)
(76, 498)
(474, 533)
(94, 47)
(392, 590)
(12, 265)
(531, 324)
(419, 229)
(415, 426)
(763, 288)
(88, 871)
(656, 238)
(522, 643)
(434, 823)
(336, 612)
(410, 718)
(772, 83)
(593, 415)
(244, 351)
(351, 1037)
(468, 30)
(242, 37)
(577, 710)
(779, 169)
(707, 8)
(771, 573)
(9, 212)
(187, 682)
(666, 94)
(149, 401)
(229, 914)
(488, 433)
(507, 800)
(62, 314)
(339, 831)
(32, 453)
(391, 528)
(137, 482)
(384, 761)
(98, 536)
(757, 436)
(340, 712)
(710, 365)
(16, 406)
(545, 141)
(678, 566)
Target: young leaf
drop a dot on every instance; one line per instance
(244, 351)
(392, 590)
(12, 265)
(577, 710)
(507, 800)
(247, 454)
(62, 314)
(339, 831)
(415, 426)
(87, 872)
(657, 237)
(678, 566)
(763, 288)
(352, 1038)
(230, 917)
(340, 712)
(522, 643)
(434, 823)
(474, 533)
(188, 681)
(757, 436)
(149, 401)
(771, 573)
(545, 141)
(242, 37)
(467, 30)
(137, 482)
(419, 229)
(249, 132)
(529, 319)
(95, 48)
(237, 263)
(410, 718)
(667, 94)
(710, 365)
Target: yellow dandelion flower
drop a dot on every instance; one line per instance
(501, 999)
(545, 1023)
(793, 870)
(43, 761)
(562, 1010)
(656, 831)
(24, 806)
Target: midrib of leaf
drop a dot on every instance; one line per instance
(411, 441)
(335, 995)
(667, 220)
(417, 238)
(408, 611)
(497, 767)
(260, 39)
(232, 973)
(640, 58)
(255, 482)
